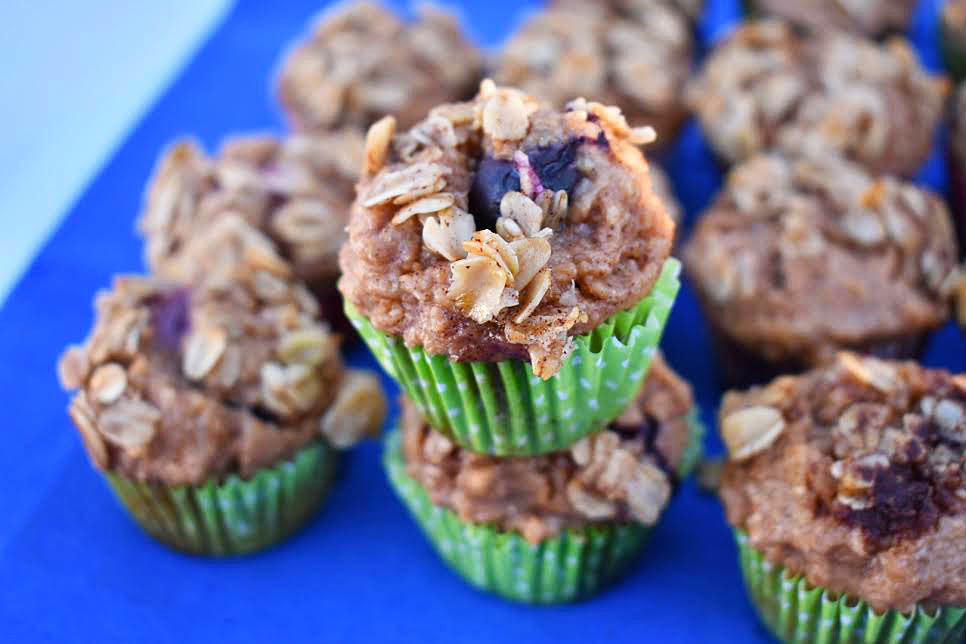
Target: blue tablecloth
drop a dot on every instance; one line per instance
(73, 567)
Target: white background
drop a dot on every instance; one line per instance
(74, 78)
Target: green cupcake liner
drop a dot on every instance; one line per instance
(503, 409)
(574, 565)
(233, 516)
(797, 613)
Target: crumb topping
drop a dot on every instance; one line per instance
(296, 190)
(514, 216)
(854, 474)
(176, 383)
(799, 258)
(361, 62)
(769, 86)
(633, 54)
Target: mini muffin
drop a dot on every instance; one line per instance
(796, 259)
(633, 54)
(953, 36)
(361, 62)
(846, 487)
(296, 190)
(767, 86)
(507, 262)
(861, 17)
(213, 406)
(556, 527)
(956, 159)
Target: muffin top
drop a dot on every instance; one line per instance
(633, 54)
(225, 372)
(296, 190)
(362, 62)
(768, 86)
(798, 258)
(500, 227)
(854, 474)
(868, 17)
(623, 473)
(954, 19)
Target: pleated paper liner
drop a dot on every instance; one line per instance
(798, 613)
(503, 409)
(233, 516)
(574, 565)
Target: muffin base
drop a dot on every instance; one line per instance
(576, 564)
(234, 516)
(503, 409)
(798, 613)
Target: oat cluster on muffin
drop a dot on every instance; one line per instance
(854, 475)
(770, 87)
(863, 17)
(634, 53)
(795, 260)
(296, 190)
(362, 61)
(501, 227)
(227, 371)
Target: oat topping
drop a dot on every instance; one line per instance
(870, 17)
(634, 54)
(296, 191)
(769, 86)
(799, 258)
(889, 441)
(866, 482)
(623, 473)
(177, 384)
(521, 216)
(361, 62)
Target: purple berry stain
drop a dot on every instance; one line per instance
(554, 165)
(494, 178)
(170, 317)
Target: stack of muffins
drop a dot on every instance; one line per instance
(506, 257)
(508, 264)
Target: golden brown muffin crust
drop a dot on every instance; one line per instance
(569, 190)
(855, 475)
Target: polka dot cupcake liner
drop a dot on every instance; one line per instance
(233, 516)
(574, 565)
(799, 613)
(503, 409)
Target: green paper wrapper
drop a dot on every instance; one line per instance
(233, 516)
(574, 565)
(503, 409)
(798, 613)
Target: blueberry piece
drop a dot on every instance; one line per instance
(169, 317)
(494, 178)
(556, 164)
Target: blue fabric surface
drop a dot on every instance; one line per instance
(74, 567)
